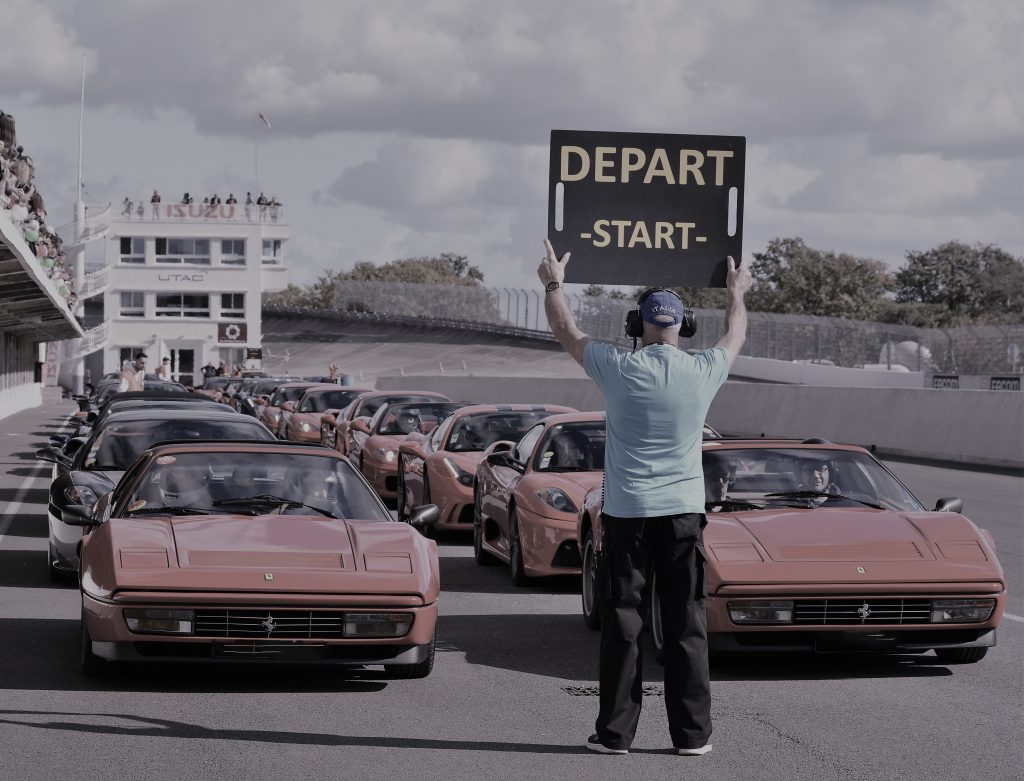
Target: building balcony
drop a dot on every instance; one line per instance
(203, 213)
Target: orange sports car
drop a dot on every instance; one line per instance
(440, 468)
(253, 552)
(375, 450)
(527, 495)
(337, 428)
(270, 411)
(813, 546)
(304, 415)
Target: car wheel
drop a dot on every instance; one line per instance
(480, 556)
(406, 671)
(960, 655)
(515, 552)
(92, 665)
(591, 613)
(403, 516)
(657, 631)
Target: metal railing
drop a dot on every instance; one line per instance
(95, 282)
(202, 212)
(94, 226)
(825, 340)
(90, 341)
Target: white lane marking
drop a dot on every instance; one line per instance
(19, 499)
(1012, 617)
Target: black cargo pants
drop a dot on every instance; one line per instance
(673, 548)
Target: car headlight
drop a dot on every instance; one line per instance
(384, 454)
(961, 611)
(80, 495)
(376, 624)
(159, 621)
(306, 427)
(779, 612)
(557, 498)
(460, 474)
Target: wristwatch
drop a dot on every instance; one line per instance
(552, 285)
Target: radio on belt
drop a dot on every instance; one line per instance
(651, 208)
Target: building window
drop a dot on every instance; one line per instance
(232, 252)
(272, 252)
(182, 305)
(128, 354)
(232, 305)
(133, 304)
(194, 252)
(133, 249)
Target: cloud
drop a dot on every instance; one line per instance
(39, 55)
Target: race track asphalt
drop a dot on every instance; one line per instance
(496, 705)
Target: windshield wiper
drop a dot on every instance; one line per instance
(732, 504)
(170, 511)
(824, 494)
(270, 499)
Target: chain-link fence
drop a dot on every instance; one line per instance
(828, 340)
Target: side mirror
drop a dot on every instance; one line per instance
(506, 460)
(288, 406)
(360, 424)
(424, 515)
(51, 454)
(77, 515)
(949, 504)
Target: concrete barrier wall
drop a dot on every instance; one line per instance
(984, 428)
(20, 397)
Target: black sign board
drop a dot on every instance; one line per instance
(254, 353)
(646, 208)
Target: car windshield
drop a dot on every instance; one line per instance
(293, 393)
(573, 447)
(333, 399)
(401, 419)
(216, 383)
(801, 477)
(254, 483)
(481, 430)
(369, 407)
(121, 442)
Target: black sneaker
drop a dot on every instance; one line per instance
(594, 744)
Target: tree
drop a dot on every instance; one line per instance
(599, 291)
(792, 278)
(444, 269)
(981, 284)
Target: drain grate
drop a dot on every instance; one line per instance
(649, 690)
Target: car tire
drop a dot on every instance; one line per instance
(92, 665)
(960, 655)
(420, 670)
(480, 556)
(515, 551)
(400, 512)
(588, 590)
(654, 614)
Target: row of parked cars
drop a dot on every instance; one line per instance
(249, 522)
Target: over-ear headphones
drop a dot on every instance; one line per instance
(635, 321)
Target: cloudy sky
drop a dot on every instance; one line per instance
(404, 129)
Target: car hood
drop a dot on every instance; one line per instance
(845, 545)
(269, 553)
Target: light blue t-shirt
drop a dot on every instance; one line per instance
(657, 399)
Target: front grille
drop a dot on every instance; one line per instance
(567, 555)
(857, 612)
(466, 514)
(307, 624)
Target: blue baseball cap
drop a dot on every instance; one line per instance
(662, 308)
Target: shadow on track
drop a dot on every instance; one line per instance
(27, 569)
(166, 728)
(463, 574)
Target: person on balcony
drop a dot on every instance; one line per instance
(154, 203)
